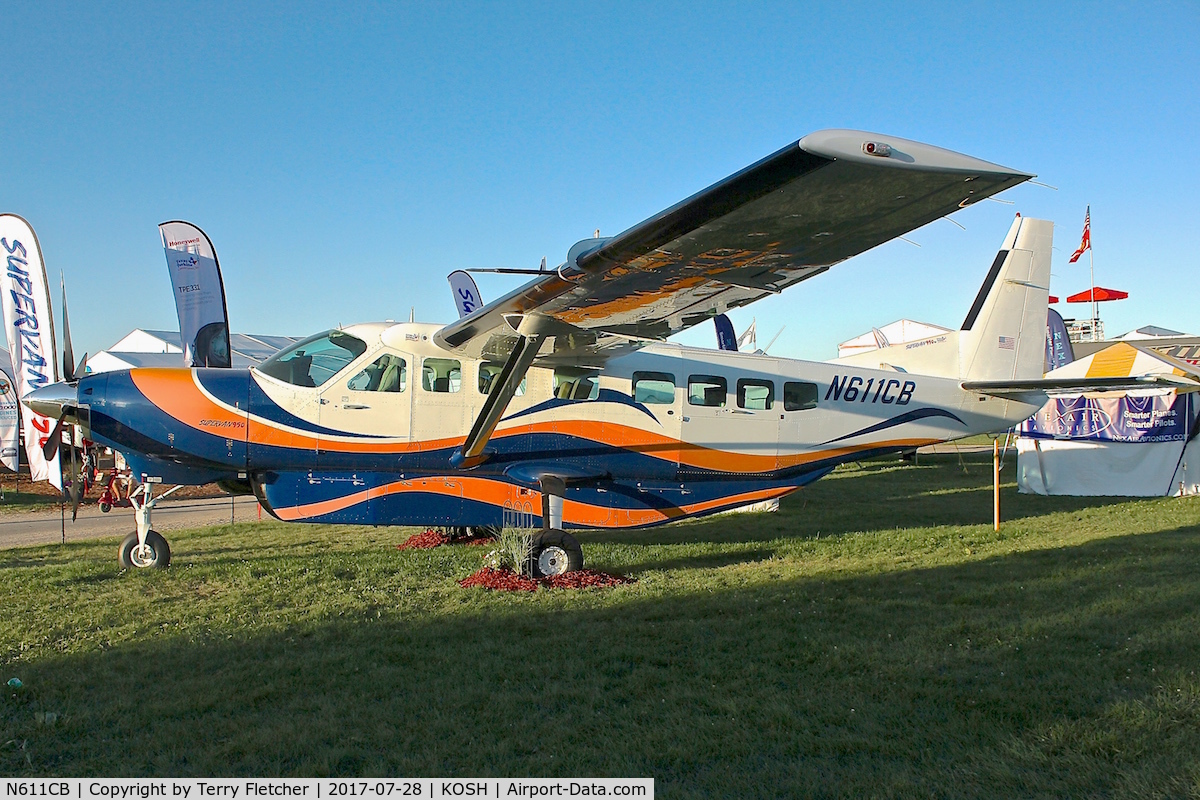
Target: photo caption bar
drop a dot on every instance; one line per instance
(320, 789)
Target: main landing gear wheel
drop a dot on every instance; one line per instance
(155, 554)
(555, 552)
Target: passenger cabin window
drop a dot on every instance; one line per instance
(315, 360)
(441, 375)
(388, 373)
(799, 396)
(707, 390)
(489, 377)
(570, 384)
(755, 395)
(654, 387)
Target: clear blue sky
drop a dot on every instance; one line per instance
(345, 159)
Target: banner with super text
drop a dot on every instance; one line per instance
(29, 326)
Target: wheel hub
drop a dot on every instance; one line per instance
(553, 561)
(143, 555)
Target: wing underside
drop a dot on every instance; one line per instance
(780, 221)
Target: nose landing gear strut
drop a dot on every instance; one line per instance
(145, 548)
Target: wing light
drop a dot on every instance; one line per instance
(877, 149)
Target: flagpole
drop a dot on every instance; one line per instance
(1095, 310)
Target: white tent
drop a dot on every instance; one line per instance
(146, 348)
(1139, 443)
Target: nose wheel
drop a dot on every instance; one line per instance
(145, 548)
(154, 553)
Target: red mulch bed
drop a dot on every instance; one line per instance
(502, 579)
(584, 579)
(431, 538)
(424, 541)
(507, 581)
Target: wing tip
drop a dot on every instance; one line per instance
(878, 149)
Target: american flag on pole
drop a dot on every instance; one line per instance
(1086, 243)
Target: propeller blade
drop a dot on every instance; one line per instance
(68, 353)
(55, 439)
(79, 370)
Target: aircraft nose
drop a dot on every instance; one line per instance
(52, 400)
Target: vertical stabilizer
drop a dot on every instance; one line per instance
(1004, 334)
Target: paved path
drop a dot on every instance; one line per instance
(45, 527)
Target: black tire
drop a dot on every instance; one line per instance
(554, 552)
(105, 508)
(160, 552)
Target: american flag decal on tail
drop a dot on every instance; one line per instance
(1008, 343)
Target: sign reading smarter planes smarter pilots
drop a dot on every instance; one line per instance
(29, 326)
(199, 295)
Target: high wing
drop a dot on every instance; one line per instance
(829, 196)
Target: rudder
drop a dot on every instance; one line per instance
(1004, 334)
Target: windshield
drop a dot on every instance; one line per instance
(315, 360)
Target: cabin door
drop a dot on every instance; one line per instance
(375, 401)
(730, 423)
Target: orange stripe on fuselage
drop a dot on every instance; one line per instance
(177, 393)
(499, 494)
(496, 493)
(174, 391)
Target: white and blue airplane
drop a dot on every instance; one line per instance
(562, 406)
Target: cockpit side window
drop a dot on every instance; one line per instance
(388, 373)
(315, 360)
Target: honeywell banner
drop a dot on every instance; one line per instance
(29, 326)
(199, 294)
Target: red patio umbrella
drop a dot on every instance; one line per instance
(1102, 294)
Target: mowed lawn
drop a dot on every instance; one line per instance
(873, 639)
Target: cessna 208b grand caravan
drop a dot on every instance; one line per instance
(560, 405)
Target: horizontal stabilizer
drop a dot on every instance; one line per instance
(1060, 386)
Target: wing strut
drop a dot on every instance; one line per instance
(472, 452)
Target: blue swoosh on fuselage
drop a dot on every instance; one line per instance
(908, 416)
(261, 405)
(604, 396)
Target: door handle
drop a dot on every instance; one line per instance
(354, 406)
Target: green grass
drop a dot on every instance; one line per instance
(15, 502)
(873, 639)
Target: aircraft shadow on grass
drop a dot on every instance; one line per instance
(1051, 672)
(878, 497)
